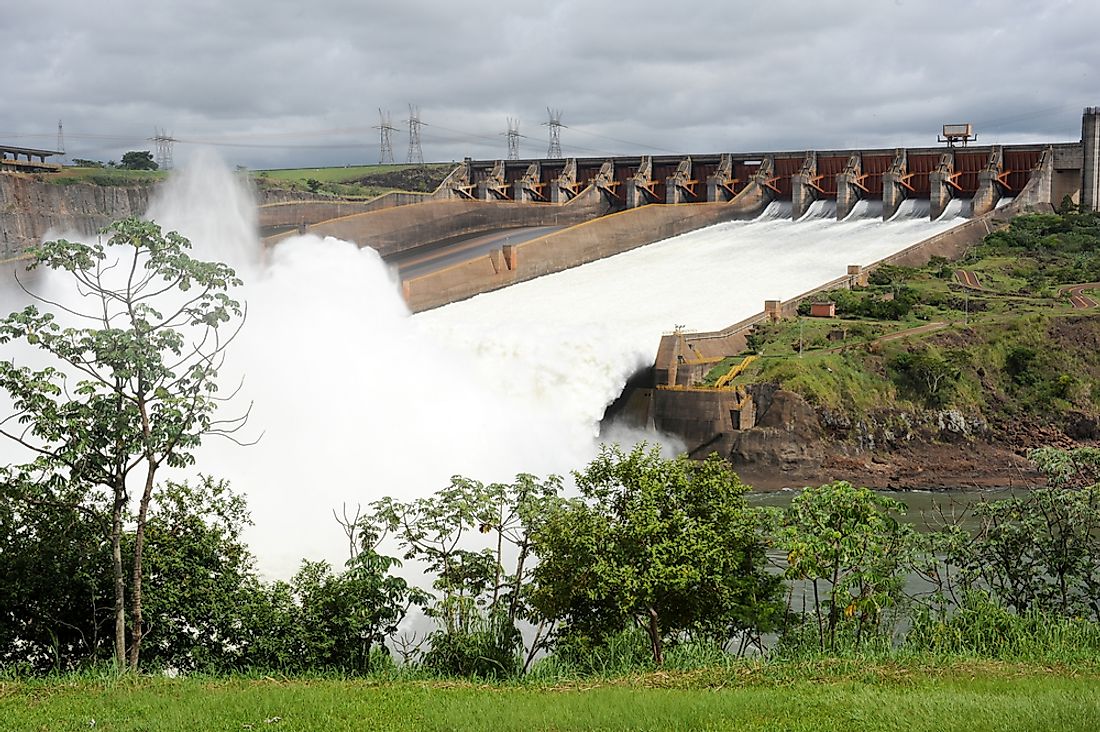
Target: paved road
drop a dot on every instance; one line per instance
(1077, 294)
(423, 260)
(968, 279)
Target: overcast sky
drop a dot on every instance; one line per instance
(277, 83)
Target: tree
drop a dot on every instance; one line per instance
(845, 542)
(1040, 551)
(668, 545)
(144, 347)
(55, 579)
(138, 160)
(461, 534)
(198, 573)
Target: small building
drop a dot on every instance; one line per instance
(823, 310)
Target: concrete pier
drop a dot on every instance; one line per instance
(1090, 164)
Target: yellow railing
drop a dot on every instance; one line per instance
(734, 372)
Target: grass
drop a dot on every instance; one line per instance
(104, 176)
(341, 174)
(838, 695)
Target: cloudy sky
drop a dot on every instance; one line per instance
(274, 83)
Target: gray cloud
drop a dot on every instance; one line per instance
(301, 84)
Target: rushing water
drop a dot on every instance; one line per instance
(355, 399)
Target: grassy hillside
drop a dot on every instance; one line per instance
(363, 181)
(919, 338)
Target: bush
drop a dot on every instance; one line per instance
(489, 648)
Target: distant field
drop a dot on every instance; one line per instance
(964, 697)
(344, 174)
(105, 176)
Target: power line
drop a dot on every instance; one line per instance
(385, 144)
(513, 139)
(164, 142)
(555, 125)
(416, 153)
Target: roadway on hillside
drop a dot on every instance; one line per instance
(1077, 294)
(423, 260)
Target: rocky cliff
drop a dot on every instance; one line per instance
(31, 208)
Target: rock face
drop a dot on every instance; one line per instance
(30, 208)
(786, 440)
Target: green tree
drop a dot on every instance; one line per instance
(144, 348)
(463, 534)
(138, 160)
(848, 546)
(197, 574)
(668, 545)
(55, 579)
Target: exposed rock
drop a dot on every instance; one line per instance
(787, 438)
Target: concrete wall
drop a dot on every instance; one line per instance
(399, 229)
(308, 212)
(571, 247)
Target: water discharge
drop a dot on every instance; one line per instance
(357, 399)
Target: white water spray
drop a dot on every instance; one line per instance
(356, 399)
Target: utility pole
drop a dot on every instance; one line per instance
(164, 142)
(513, 139)
(60, 138)
(416, 153)
(555, 125)
(385, 143)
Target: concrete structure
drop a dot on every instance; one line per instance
(1090, 159)
(939, 175)
(10, 159)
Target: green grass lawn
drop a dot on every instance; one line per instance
(818, 698)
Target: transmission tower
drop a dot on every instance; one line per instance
(164, 142)
(513, 139)
(385, 144)
(416, 153)
(554, 151)
(60, 138)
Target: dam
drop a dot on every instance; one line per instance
(360, 392)
(591, 208)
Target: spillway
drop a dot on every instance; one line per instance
(354, 399)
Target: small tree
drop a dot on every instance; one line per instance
(845, 542)
(138, 160)
(668, 545)
(145, 349)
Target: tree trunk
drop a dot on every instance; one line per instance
(655, 638)
(120, 585)
(139, 547)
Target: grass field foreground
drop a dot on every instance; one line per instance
(818, 697)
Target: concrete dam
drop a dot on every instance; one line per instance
(357, 399)
(543, 216)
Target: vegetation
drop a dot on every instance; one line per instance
(357, 181)
(144, 348)
(138, 160)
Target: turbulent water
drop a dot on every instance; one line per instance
(354, 399)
